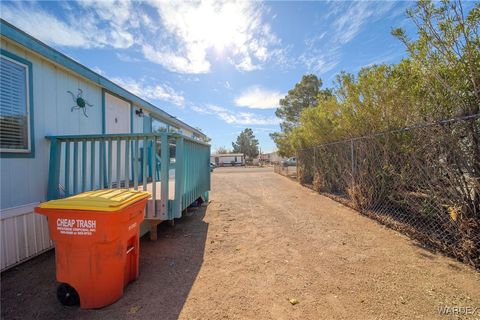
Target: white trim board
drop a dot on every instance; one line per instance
(17, 211)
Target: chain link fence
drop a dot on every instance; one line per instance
(287, 171)
(423, 181)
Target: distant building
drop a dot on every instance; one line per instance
(228, 159)
(272, 157)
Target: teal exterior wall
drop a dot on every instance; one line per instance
(24, 179)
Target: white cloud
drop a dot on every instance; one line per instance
(181, 36)
(199, 109)
(147, 89)
(44, 26)
(321, 61)
(83, 32)
(257, 97)
(246, 64)
(247, 118)
(126, 58)
(189, 62)
(196, 29)
(99, 71)
(349, 24)
(342, 24)
(155, 91)
(236, 118)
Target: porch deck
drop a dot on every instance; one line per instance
(158, 189)
(174, 168)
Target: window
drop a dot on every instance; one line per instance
(15, 105)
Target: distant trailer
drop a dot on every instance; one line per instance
(228, 160)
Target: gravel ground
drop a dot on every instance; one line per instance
(262, 241)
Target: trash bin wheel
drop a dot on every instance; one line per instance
(67, 295)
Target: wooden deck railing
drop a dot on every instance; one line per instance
(174, 168)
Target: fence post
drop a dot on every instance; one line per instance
(164, 175)
(54, 169)
(179, 172)
(153, 172)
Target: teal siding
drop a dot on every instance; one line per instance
(24, 180)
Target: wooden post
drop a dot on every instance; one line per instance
(54, 169)
(84, 165)
(135, 165)
(118, 143)
(144, 173)
(75, 167)
(101, 163)
(144, 163)
(153, 229)
(164, 176)
(67, 168)
(153, 171)
(109, 167)
(92, 165)
(126, 184)
(179, 172)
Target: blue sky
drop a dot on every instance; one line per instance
(219, 66)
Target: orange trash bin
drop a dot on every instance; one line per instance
(96, 237)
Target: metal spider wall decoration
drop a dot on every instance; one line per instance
(81, 104)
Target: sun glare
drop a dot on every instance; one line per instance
(219, 26)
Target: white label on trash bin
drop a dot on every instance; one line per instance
(76, 227)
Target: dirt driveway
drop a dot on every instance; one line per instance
(262, 241)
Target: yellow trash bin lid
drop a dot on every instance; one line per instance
(98, 200)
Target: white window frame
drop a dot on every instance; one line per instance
(27, 88)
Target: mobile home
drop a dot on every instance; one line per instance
(65, 129)
(228, 159)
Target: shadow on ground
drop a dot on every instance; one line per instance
(168, 269)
